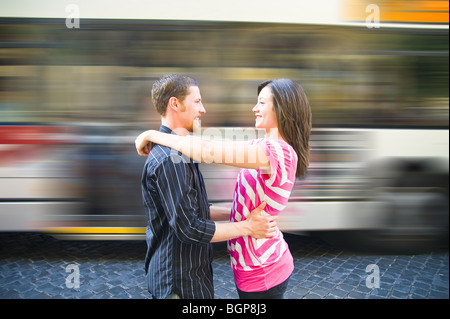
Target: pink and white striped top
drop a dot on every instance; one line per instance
(260, 264)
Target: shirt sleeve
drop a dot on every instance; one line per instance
(282, 163)
(180, 202)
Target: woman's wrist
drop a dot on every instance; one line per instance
(150, 136)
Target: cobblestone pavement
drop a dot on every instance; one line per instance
(37, 266)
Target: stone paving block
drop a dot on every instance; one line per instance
(397, 294)
(312, 295)
(294, 294)
(380, 293)
(99, 288)
(418, 293)
(326, 285)
(320, 291)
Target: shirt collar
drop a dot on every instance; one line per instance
(165, 129)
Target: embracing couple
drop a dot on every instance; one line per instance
(182, 224)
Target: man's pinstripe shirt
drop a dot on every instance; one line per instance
(179, 231)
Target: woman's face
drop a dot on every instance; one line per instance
(264, 110)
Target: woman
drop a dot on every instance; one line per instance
(270, 165)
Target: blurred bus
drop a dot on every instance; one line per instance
(73, 97)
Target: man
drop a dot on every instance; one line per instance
(181, 223)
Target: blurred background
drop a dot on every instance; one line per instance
(72, 101)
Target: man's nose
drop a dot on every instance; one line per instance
(202, 109)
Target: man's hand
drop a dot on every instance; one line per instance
(143, 145)
(261, 225)
(258, 225)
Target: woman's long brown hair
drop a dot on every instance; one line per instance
(294, 117)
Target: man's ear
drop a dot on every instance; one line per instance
(173, 104)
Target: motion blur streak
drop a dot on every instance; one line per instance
(73, 100)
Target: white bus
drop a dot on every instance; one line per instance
(75, 83)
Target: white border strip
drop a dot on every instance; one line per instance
(318, 12)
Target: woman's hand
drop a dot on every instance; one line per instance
(143, 143)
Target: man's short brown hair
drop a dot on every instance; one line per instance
(170, 85)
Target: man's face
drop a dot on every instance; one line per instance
(192, 109)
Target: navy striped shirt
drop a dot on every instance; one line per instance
(179, 231)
